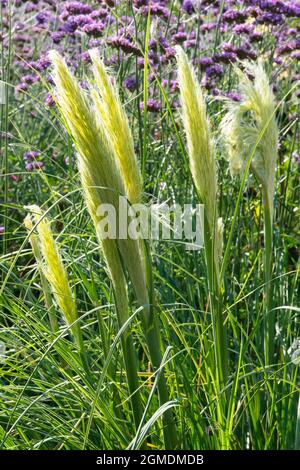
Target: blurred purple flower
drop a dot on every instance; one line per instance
(255, 37)
(130, 83)
(245, 52)
(152, 106)
(156, 9)
(57, 37)
(78, 8)
(49, 101)
(125, 44)
(30, 79)
(205, 62)
(34, 166)
(296, 55)
(295, 157)
(225, 57)
(94, 29)
(179, 37)
(188, 6)
(234, 16)
(208, 27)
(214, 70)
(21, 87)
(243, 28)
(272, 18)
(31, 155)
(234, 96)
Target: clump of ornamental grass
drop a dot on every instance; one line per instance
(250, 133)
(202, 163)
(50, 262)
(108, 169)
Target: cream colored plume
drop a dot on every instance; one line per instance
(252, 122)
(48, 256)
(89, 138)
(103, 179)
(199, 140)
(113, 117)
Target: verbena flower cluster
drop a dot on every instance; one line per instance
(216, 34)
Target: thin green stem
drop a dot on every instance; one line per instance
(219, 330)
(129, 355)
(153, 338)
(269, 313)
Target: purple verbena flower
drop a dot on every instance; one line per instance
(190, 43)
(130, 83)
(21, 87)
(234, 96)
(31, 155)
(208, 27)
(34, 166)
(243, 28)
(152, 106)
(255, 37)
(156, 9)
(124, 44)
(188, 6)
(271, 18)
(225, 57)
(228, 47)
(179, 37)
(234, 16)
(94, 29)
(30, 79)
(49, 101)
(296, 55)
(214, 70)
(57, 36)
(140, 3)
(245, 52)
(43, 17)
(78, 8)
(205, 62)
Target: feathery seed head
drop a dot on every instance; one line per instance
(52, 264)
(92, 146)
(198, 135)
(98, 142)
(251, 122)
(113, 117)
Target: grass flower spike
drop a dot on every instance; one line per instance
(108, 169)
(203, 169)
(251, 123)
(53, 269)
(198, 136)
(113, 117)
(102, 183)
(34, 241)
(250, 126)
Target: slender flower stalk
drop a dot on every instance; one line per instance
(111, 115)
(102, 183)
(203, 170)
(47, 254)
(251, 124)
(108, 169)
